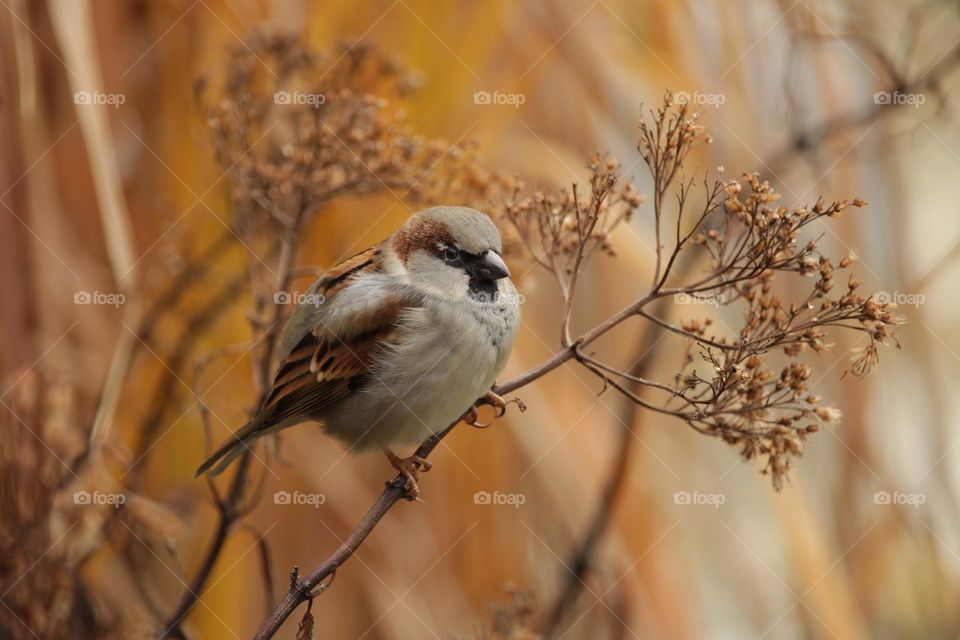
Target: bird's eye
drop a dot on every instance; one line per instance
(449, 254)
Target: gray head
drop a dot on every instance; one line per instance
(454, 251)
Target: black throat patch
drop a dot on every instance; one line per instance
(482, 290)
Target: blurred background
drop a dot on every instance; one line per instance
(126, 262)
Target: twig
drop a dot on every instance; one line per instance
(193, 330)
(266, 567)
(582, 556)
(277, 192)
(74, 26)
(809, 139)
(741, 400)
(227, 515)
(164, 302)
(229, 509)
(395, 489)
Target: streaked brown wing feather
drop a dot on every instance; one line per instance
(340, 274)
(323, 367)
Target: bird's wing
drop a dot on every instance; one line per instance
(329, 344)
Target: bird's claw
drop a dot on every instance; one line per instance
(471, 417)
(410, 468)
(499, 404)
(492, 399)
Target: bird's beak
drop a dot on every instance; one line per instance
(492, 267)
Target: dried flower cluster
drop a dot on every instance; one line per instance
(296, 128)
(514, 617)
(728, 385)
(556, 227)
(665, 142)
(63, 511)
(31, 479)
(743, 400)
(563, 229)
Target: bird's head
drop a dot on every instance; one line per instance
(452, 251)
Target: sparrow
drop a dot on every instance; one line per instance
(395, 343)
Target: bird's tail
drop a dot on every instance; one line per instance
(230, 450)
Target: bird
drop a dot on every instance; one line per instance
(395, 343)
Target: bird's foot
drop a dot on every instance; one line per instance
(495, 401)
(492, 399)
(410, 469)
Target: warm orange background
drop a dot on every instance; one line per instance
(821, 559)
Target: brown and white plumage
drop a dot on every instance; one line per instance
(409, 334)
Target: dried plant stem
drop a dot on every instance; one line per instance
(807, 140)
(275, 193)
(731, 395)
(230, 508)
(740, 400)
(569, 353)
(74, 28)
(164, 302)
(301, 591)
(228, 514)
(194, 329)
(582, 556)
(613, 487)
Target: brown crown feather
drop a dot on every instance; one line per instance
(420, 235)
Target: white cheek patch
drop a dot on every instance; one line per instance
(431, 273)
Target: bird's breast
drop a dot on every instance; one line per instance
(445, 356)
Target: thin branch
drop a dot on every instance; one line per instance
(806, 140)
(194, 329)
(299, 591)
(192, 271)
(582, 556)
